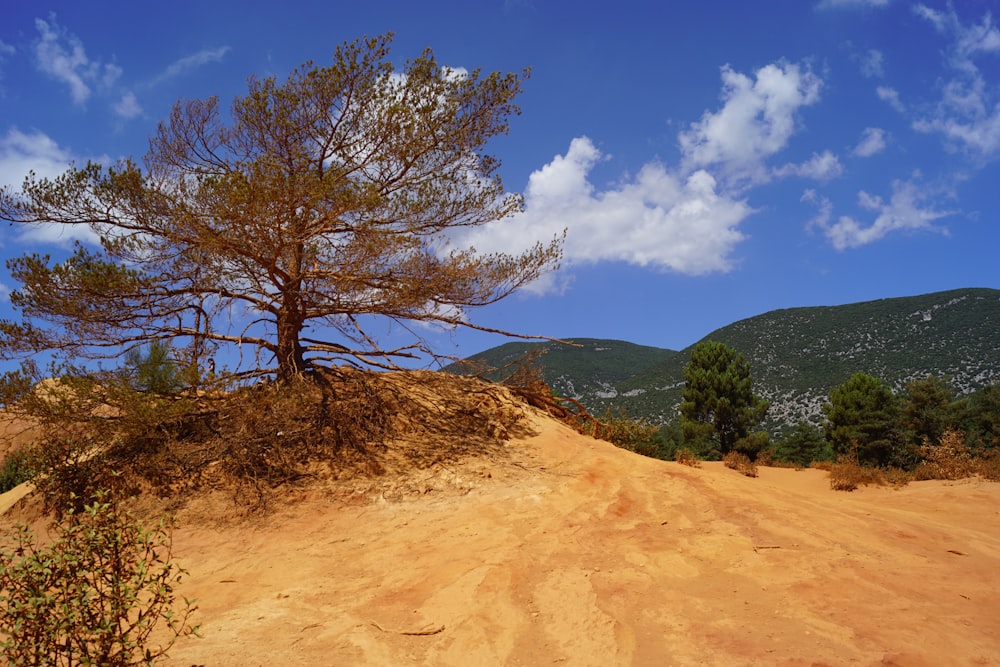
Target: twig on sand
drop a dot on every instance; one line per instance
(412, 633)
(758, 547)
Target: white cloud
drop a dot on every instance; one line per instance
(128, 106)
(891, 97)
(755, 122)
(969, 111)
(872, 142)
(62, 56)
(192, 61)
(21, 153)
(4, 292)
(851, 4)
(824, 210)
(907, 209)
(823, 166)
(873, 64)
(657, 218)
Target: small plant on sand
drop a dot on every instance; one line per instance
(686, 457)
(950, 458)
(741, 463)
(94, 596)
(847, 474)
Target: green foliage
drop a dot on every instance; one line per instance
(634, 435)
(929, 409)
(864, 413)
(798, 355)
(982, 418)
(16, 469)
(803, 445)
(155, 370)
(719, 411)
(95, 595)
(316, 202)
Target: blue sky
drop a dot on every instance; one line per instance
(709, 160)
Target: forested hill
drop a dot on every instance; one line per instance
(796, 355)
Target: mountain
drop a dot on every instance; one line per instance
(588, 369)
(796, 355)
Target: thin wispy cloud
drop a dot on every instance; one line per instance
(128, 106)
(852, 4)
(872, 64)
(891, 97)
(62, 56)
(968, 114)
(910, 208)
(823, 166)
(187, 63)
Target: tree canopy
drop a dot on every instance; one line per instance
(719, 408)
(864, 413)
(321, 201)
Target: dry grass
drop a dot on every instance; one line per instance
(741, 463)
(686, 457)
(340, 426)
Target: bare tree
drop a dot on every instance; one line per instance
(327, 198)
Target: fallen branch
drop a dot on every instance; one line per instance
(412, 633)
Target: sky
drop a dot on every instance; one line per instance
(709, 161)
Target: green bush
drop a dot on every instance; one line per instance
(93, 596)
(16, 469)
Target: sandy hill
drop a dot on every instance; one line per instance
(564, 550)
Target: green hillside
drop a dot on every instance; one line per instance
(796, 355)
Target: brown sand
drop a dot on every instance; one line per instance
(573, 552)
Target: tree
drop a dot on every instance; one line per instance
(719, 410)
(864, 413)
(803, 445)
(327, 200)
(929, 409)
(983, 418)
(155, 371)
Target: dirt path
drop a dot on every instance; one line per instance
(577, 553)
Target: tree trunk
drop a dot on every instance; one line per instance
(291, 359)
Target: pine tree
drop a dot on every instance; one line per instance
(719, 411)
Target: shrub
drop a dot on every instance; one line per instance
(94, 596)
(951, 458)
(634, 435)
(686, 457)
(847, 474)
(15, 470)
(741, 463)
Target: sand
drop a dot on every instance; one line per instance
(569, 551)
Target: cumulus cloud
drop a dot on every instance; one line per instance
(21, 153)
(61, 55)
(823, 166)
(909, 208)
(872, 142)
(756, 120)
(190, 62)
(657, 218)
(968, 113)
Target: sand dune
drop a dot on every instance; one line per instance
(573, 552)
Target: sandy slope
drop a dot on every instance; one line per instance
(573, 552)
